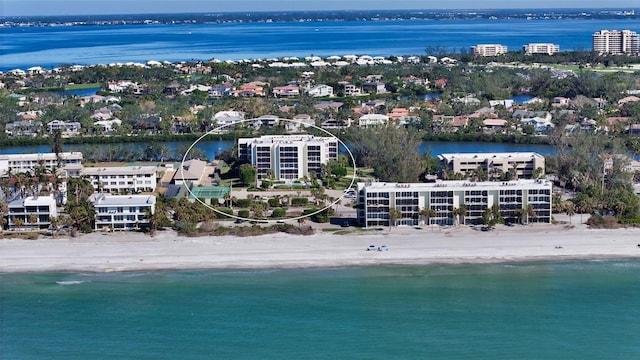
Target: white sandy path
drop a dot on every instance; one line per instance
(133, 251)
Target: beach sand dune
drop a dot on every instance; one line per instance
(103, 252)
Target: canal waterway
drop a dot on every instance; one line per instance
(214, 147)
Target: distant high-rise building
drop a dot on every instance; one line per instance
(548, 49)
(616, 42)
(488, 49)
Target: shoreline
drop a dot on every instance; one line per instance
(113, 252)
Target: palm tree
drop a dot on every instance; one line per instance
(18, 222)
(569, 208)
(33, 219)
(529, 212)
(428, 213)
(54, 223)
(394, 216)
(460, 212)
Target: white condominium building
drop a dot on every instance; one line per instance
(122, 179)
(489, 49)
(521, 164)
(548, 49)
(616, 42)
(288, 157)
(20, 163)
(123, 212)
(33, 213)
(518, 201)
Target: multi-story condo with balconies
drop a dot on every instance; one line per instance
(488, 49)
(539, 48)
(20, 163)
(122, 179)
(123, 212)
(288, 157)
(616, 42)
(521, 165)
(522, 201)
(32, 213)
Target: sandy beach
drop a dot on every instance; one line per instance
(105, 252)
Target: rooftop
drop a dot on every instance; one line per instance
(454, 185)
(124, 200)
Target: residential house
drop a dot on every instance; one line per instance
(193, 172)
(287, 91)
(375, 87)
(495, 125)
(107, 126)
(299, 122)
(266, 121)
(397, 113)
(372, 120)
(560, 101)
(351, 90)
(220, 90)
(249, 90)
(67, 128)
(540, 120)
(198, 87)
(173, 88)
(123, 86)
(123, 212)
(228, 119)
(506, 103)
(328, 105)
(28, 128)
(467, 100)
(628, 99)
(336, 124)
(320, 90)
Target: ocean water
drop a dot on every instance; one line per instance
(557, 310)
(23, 47)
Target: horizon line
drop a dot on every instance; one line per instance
(328, 10)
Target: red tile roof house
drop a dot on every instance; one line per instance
(249, 90)
(398, 113)
(287, 91)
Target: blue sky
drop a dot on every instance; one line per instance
(76, 7)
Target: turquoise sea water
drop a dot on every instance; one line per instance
(561, 310)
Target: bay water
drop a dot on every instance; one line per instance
(546, 310)
(23, 47)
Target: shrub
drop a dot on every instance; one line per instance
(244, 203)
(602, 222)
(243, 213)
(278, 213)
(273, 202)
(299, 201)
(225, 211)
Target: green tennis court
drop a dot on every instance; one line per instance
(209, 192)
